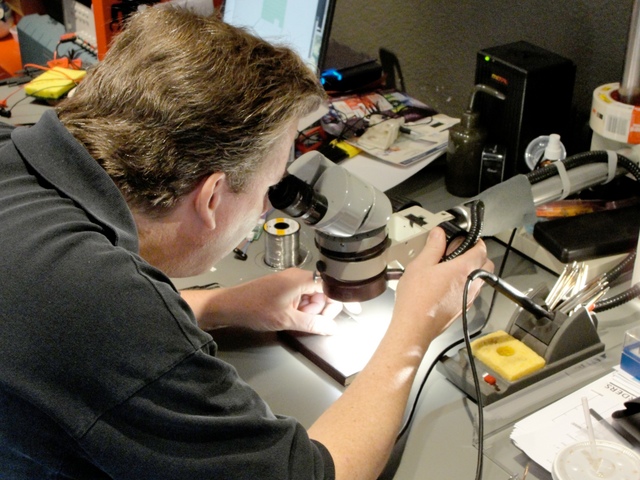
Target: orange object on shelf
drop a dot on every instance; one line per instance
(10, 61)
(104, 30)
(107, 27)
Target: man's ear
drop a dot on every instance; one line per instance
(208, 197)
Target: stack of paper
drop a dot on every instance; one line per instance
(543, 434)
(426, 134)
(428, 137)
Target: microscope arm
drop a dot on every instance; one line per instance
(361, 241)
(582, 177)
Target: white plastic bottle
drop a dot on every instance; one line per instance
(543, 150)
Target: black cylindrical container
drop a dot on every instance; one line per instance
(464, 154)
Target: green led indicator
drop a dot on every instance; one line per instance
(487, 58)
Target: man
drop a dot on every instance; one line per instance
(157, 167)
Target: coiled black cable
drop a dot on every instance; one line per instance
(617, 300)
(624, 266)
(476, 222)
(624, 297)
(585, 158)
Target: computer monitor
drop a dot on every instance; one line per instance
(303, 25)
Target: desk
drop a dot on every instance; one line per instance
(25, 110)
(440, 443)
(441, 439)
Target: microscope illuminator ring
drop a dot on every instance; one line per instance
(358, 291)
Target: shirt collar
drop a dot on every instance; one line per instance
(60, 159)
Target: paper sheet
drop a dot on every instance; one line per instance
(428, 137)
(543, 434)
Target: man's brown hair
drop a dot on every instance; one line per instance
(180, 96)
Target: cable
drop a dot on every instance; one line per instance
(624, 266)
(476, 223)
(633, 292)
(5, 111)
(522, 301)
(406, 427)
(617, 300)
(476, 379)
(585, 158)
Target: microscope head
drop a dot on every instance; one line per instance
(350, 219)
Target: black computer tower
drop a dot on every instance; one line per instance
(538, 85)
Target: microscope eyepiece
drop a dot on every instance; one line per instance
(298, 199)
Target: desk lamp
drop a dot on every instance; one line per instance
(363, 245)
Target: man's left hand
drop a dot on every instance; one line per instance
(286, 300)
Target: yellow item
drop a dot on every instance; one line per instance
(508, 356)
(350, 150)
(54, 83)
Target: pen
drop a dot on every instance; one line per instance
(408, 131)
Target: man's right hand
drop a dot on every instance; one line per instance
(430, 292)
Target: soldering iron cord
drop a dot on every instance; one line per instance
(623, 297)
(475, 230)
(476, 380)
(406, 427)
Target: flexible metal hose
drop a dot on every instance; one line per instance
(475, 229)
(624, 297)
(585, 158)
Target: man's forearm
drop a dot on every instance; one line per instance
(206, 306)
(361, 427)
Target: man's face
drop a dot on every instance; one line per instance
(239, 213)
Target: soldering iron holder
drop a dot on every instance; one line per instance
(564, 341)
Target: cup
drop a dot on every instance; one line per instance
(612, 462)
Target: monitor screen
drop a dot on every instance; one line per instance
(303, 25)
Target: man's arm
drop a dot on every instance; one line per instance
(287, 300)
(360, 428)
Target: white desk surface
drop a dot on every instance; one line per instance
(440, 444)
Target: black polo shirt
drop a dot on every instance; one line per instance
(104, 372)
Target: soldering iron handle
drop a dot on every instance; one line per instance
(511, 293)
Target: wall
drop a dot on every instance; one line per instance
(436, 41)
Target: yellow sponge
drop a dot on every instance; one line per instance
(508, 356)
(54, 83)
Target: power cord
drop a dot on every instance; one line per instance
(476, 379)
(391, 469)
